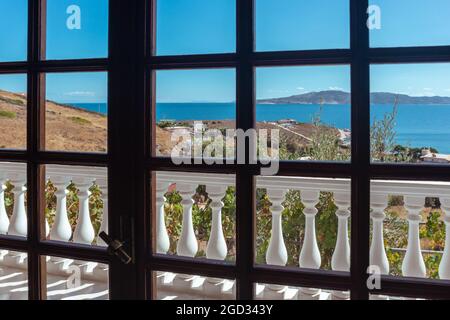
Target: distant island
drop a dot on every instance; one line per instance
(342, 97)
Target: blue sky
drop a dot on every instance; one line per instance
(206, 26)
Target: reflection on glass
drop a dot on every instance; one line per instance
(76, 112)
(14, 275)
(184, 97)
(195, 27)
(77, 29)
(13, 16)
(410, 105)
(13, 111)
(69, 279)
(173, 286)
(310, 107)
(403, 23)
(302, 25)
(265, 291)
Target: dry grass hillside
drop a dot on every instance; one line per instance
(67, 128)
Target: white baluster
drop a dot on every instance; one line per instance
(103, 185)
(217, 246)
(340, 260)
(378, 255)
(162, 236)
(187, 244)
(276, 252)
(18, 225)
(413, 264)
(4, 220)
(444, 266)
(84, 231)
(61, 229)
(310, 254)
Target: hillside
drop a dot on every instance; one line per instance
(67, 128)
(341, 97)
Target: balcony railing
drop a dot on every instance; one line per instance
(171, 286)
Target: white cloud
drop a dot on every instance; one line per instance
(336, 88)
(300, 88)
(80, 93)
(428, 89)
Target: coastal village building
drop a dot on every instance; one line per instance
(428, 156)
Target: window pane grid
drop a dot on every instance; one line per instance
(295, 58)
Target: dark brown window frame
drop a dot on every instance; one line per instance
(131, 66)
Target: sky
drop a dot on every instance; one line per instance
(206, 26)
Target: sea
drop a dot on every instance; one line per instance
(416, 125)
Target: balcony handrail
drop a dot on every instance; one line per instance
(93, 173)
(434, 189)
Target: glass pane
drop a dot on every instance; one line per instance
(183, 97)
(302, 25)
(13, 16)
(69, 279)
(303, 222)
(76, 112)
(172, 286)
(195, 26)
(279, 292)
(310, 109)
(76, 201)
(14, 275)
(410, 105)
(13, 111)
(77, 29)
(203, 228)
(13, 197)
(410, 228)
(403, 23)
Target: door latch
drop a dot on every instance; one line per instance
(115, 248)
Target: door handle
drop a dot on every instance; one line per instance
(115, 248)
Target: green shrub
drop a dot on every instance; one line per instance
(80, 121)
(7, 114)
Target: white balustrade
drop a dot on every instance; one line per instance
(103, 185)
(61, 229)
(162, 236)
(4, 220)
(186, 184)
(18, 224)
(413, 263)
(310, 254)
(187, 244)
(378, 255)
(84, 231)
(276, 252)
(83, 178)
(444, 267)
(217, 246)
(340, 260)
(341, 256)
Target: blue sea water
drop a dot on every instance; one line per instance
(416, 125)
